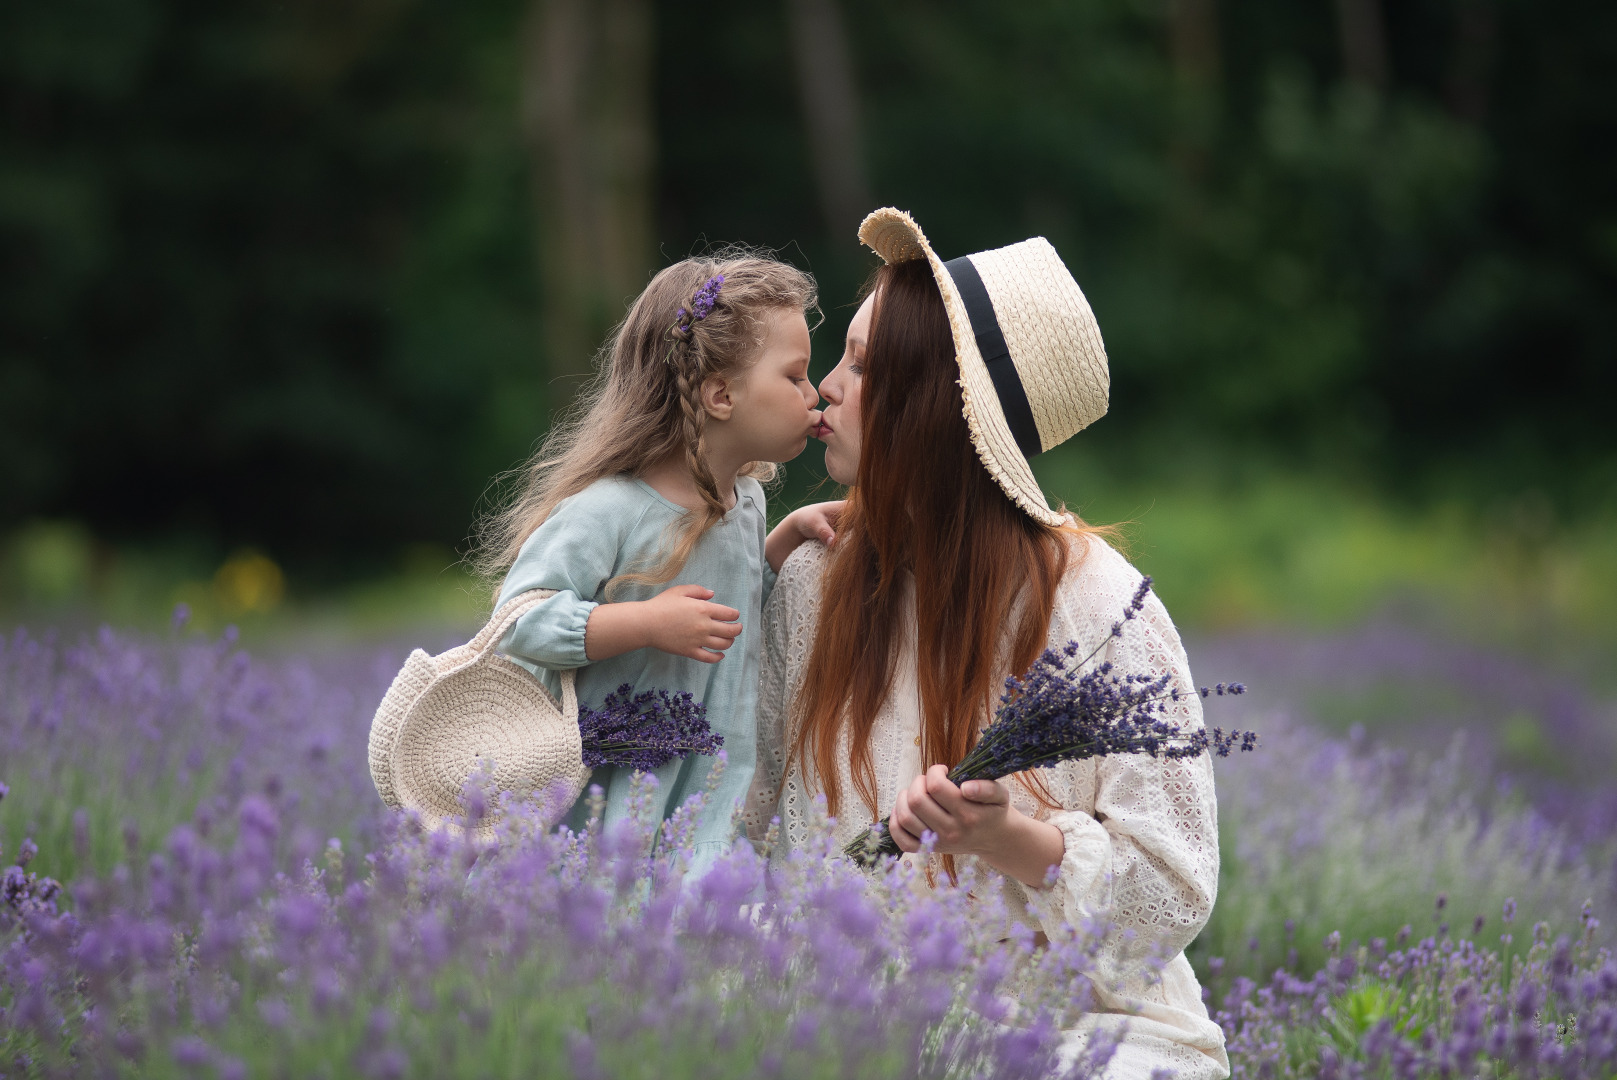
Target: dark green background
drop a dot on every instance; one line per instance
(268, 271)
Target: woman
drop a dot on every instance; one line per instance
(885, 653)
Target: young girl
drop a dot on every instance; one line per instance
(655, 477)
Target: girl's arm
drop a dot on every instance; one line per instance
(575, 552)
(816, 521)
(679, 621)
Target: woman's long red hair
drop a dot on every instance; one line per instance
(923, 508)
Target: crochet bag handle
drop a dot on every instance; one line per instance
(505, 616)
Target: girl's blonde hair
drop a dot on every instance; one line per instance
(644, 403)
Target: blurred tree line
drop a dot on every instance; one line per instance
(306, 274)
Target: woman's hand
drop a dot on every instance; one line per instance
(976, 818)
(816, 521)
(680, 621)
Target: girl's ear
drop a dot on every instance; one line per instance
(716, 398)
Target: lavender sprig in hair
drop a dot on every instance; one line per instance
(645, 731)
(1051, 714)
(701, 307)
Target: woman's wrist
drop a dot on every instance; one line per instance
(1025, 848)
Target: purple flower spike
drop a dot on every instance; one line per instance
(708, 295)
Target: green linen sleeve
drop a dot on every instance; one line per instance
(575, 552)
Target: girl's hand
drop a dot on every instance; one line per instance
(679, 621)
(976, 818)
(816, 521)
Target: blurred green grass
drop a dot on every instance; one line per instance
(1286, 549)
(1277, 549)
(57, 573)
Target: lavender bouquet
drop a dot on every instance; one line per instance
(645, 731)
(1051, 714)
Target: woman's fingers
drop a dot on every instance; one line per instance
(941, 790)
(914, 814)
(926, 813)
(986, 792)
(903, 826)
(958, 816)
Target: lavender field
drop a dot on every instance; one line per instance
(233, 902)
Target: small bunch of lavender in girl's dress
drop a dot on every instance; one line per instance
(645, 731)
(1051, 714)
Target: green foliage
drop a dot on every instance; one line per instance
(271, 268)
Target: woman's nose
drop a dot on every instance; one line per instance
(828, 388)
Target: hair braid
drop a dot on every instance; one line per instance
(694, 422)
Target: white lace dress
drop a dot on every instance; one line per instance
(1141, 833)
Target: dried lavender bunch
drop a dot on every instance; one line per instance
(1052, 713)
(645, 731)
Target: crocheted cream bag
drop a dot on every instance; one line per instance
(448, 715)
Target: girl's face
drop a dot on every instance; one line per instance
(839, 424)
(774, 414)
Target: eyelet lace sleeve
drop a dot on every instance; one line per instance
(1141, 832)
(789, 619)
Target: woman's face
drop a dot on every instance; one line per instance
(839, 423)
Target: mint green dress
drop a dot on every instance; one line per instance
(620, 525)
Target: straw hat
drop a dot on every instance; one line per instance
(1032, 365)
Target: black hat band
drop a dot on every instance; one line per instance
(996, 355)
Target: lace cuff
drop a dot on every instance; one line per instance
(1083, 879)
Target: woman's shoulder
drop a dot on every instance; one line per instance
(797, 586)
(1098, 575)
(1099, 584)
(805, 566)
(1094, 559)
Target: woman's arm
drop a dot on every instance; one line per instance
(1143, 841)
(1146, 847)
(788, 619)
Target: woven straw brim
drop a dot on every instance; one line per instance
(1048, 326)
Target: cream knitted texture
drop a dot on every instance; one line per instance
(1141, 833)
(446, 716)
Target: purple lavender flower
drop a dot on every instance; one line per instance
(1052, 713)
(645, 731)
(708, 295)
(701, 307)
